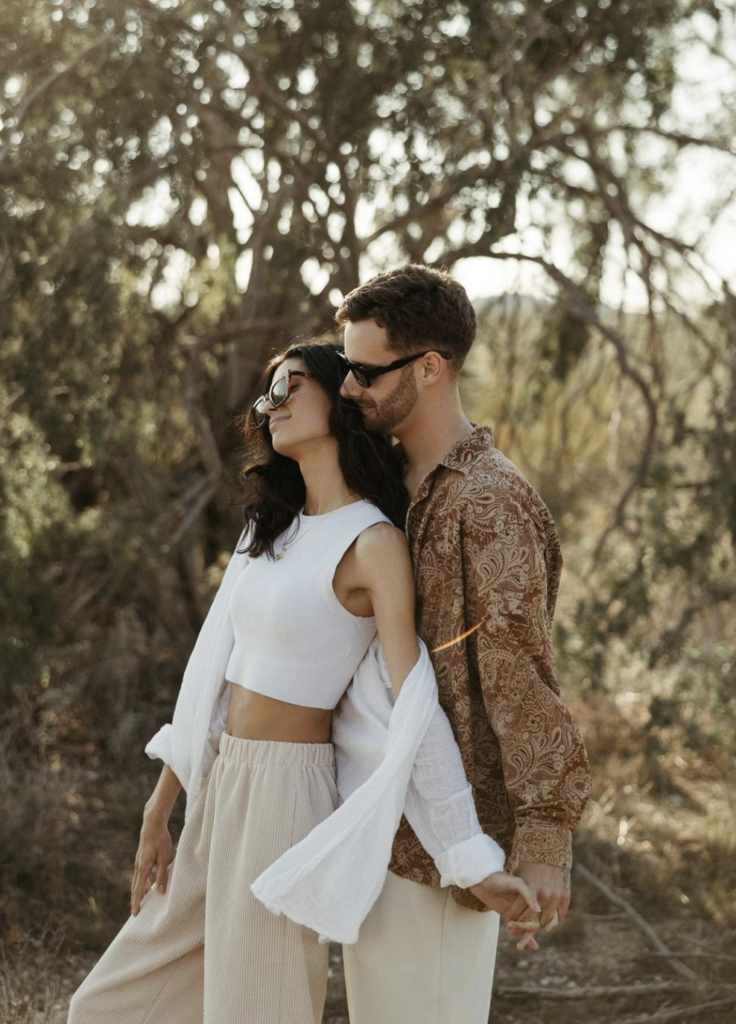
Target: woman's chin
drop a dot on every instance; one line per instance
(282, 445)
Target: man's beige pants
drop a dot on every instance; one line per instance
(421, 958)
(206, 951)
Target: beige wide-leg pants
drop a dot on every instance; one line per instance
(421, 958)
(206, 951)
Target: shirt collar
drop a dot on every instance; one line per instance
(465, 453)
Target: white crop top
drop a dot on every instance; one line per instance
(293, 639)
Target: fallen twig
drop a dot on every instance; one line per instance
(679, 1012)
(596, 991)
(619, 901)
(698, 953)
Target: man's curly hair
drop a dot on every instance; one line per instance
(419, 307)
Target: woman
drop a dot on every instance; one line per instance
(320, 569)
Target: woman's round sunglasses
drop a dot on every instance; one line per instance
(364, 375)
(277, 394)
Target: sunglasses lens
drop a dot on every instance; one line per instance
(358, 374)
(259, 412)
(279, 392)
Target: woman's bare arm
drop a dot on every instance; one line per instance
(154, 846)
(384, 563)
(161, 802)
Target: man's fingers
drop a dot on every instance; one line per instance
(527, 914)
(553, 922)
(549, 909)
(529, 941)
(564, 907)
(522, 927)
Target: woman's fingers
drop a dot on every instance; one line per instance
(517, 909)
(525, 891)
(524, 931)
(136, 895)
(162, 875)
(140, 885)
(524, 926)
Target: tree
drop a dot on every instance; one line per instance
(186, 186)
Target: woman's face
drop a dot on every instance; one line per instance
(303, 419)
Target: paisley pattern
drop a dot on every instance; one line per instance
(485, 547)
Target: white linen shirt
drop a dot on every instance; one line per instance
(393, 758)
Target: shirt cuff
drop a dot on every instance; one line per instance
(541, 842)
(470, 862)
(160, 745)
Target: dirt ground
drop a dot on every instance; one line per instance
(598, 968)
(664, 845)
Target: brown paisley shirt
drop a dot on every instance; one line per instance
(485, 549)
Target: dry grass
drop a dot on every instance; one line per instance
(30, 981)
(661, 823)
(33, 823)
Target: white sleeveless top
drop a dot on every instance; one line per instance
(293, 639)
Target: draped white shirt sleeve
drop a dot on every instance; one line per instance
(392, 758)
(191, 742)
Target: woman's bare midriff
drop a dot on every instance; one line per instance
(252, 716)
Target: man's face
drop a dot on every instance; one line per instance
(391, 397)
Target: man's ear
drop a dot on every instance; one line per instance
(433, 368)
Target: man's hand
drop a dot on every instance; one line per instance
(502, 892)
(552, 886)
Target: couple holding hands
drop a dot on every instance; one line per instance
(369, 729)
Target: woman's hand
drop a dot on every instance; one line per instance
(154, 851)
(154, 846)
(500, 891)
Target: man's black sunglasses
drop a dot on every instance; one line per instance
(364, 375)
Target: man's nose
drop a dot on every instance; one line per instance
(349, 388)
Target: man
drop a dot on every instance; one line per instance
(487, 563)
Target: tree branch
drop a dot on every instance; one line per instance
(619, 901)
(582, 308)
(679, 1012)
(50, 80)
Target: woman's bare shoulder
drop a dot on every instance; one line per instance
(382, 539)
(382, 553)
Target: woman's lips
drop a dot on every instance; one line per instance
(279, 419)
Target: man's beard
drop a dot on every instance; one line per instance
(383, 417)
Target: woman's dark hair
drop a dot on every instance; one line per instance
(370, 464)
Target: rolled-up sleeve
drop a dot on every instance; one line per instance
(545, 765)
(159, 746)
(441, 809)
